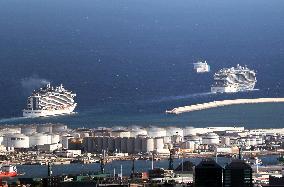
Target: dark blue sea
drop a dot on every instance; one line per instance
(130, 60)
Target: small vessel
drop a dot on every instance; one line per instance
(50, 101)
(8, 171)
(201, 67)
(234, 79)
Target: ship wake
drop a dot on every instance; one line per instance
(6, 120)
(180, 97)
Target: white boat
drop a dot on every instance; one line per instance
(49, 101)
(201, 67)
(234, 79)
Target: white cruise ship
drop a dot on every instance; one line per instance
(50, 101)
(234, 79)
(201, 67)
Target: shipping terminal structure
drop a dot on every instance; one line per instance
(234, 79)
(50, 101)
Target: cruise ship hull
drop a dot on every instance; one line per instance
(231, 88)
(46, 113)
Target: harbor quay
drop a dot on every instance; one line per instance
(48, 145)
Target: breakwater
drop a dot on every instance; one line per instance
(215, 104)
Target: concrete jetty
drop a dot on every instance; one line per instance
(215, 104)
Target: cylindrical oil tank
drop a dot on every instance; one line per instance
(171, 131)
(44, 128)
(1, 139)
(156, 132)
(138, 145)
(120, 133)
(11, 130)
(130, 145)
(134, 132)
(117, 144)
(123, 147)
(189, 131)
(226, 140)
(111, 147)
(58, 128)
(28, 129)
(39, 139)
(147, 145)
(55, 138)
(99, 144)
(16, 141)
(159, 143)
(193, 138)
(210, 138)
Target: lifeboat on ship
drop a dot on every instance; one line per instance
(8, 171)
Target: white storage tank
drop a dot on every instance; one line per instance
(39, 139)
(134, 132)
(172, 131)
(16, 141)
(189, 131)
(58, 128)
(55, 138)
(226, 140)
(11, 130)
(210, 138)
(193, 138)
(28, 129)
(120, 133)
(1, 139)
(147, 145)
(159, 143)
(156, 132)
(44, 128)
